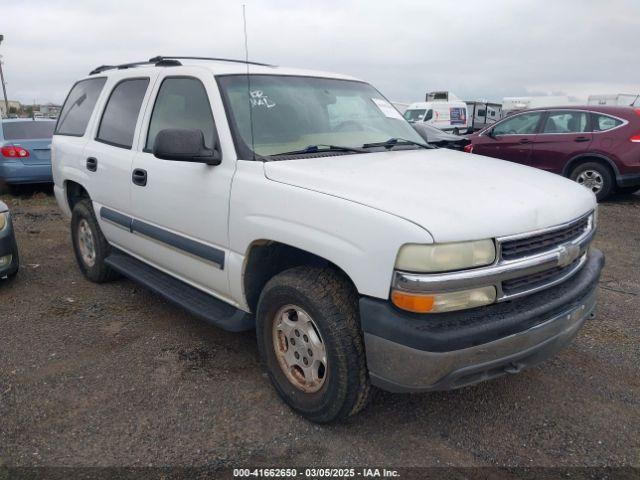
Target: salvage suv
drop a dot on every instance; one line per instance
(303, 205)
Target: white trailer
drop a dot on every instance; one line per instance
(514, 104)
(482, 113)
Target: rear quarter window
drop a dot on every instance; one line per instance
(602, 123)
(78, 107)
(30, 130)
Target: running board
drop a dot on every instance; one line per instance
(196, 302)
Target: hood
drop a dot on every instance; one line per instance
(455, 196)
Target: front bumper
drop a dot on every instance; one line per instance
(411, 352)
(8, 246)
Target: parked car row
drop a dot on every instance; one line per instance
(597, 146)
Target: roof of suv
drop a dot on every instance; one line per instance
(610, 109)
(216, 66)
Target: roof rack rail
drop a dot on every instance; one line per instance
(184, 57)
(172, 61)
(157, 61)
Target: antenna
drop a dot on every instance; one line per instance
(246, 59)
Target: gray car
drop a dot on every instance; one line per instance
(438, 138)
(9, 260)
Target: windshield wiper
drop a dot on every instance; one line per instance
(321, 148)
(392, 142)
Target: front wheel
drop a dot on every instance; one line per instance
(594, 176)
(310, 342)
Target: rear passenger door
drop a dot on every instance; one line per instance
(72, 132)
(564, 134)
(181, 209)
(108, 156)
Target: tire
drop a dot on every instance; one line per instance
(96, 270)
(328, 299)
(627, 190)
(594, 176)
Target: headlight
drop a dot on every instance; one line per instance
(3, 220)
(444, 257)
(443, 302)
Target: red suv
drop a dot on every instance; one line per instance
(598, 147)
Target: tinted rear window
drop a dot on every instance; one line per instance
(27, 130)
(121, 113)
(78, 107)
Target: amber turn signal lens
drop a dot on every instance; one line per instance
(411, 302)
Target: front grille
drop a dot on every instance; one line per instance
(535, 280)
(524, 247)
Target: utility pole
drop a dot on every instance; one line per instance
(4, 88)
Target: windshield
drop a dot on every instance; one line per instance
(414, 115)
(291, 113)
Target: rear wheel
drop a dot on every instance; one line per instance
(90, 246)
(310, 342)
(594, 176)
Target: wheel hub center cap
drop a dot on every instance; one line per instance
(299, 348)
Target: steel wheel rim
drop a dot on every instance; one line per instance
(86, 243)
(299, 348)
(591, 179)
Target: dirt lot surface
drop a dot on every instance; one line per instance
(112, 375)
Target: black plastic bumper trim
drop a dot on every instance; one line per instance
(629, 180)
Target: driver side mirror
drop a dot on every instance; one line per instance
(185, 145)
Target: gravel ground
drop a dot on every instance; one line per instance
(112, 375)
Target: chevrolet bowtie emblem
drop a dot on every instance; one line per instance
(567, 254)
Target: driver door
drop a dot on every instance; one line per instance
(511, 139)
(181, 208)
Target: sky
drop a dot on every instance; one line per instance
(486, 49)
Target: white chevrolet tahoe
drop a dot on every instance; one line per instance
(303, 205)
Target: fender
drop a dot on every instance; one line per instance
(360, 240)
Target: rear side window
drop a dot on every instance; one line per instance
(78, 107)
(604, 122)
(566, 122)
(29, 130)
(120, 115)
(181, 103)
